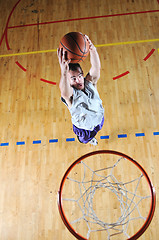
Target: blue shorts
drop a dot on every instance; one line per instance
(84, 136)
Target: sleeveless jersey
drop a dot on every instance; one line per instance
(86, 110)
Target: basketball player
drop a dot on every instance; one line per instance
(80, 95)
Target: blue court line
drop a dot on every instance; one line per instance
(20, 143)
(104, 137)
(73, 139)
(53, 140)
(37, 142)
(122, 136)
(139, 134)
(70, 139)
(155, 133)
(4, 144)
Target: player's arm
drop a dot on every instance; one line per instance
(94, 73)
(64, 85)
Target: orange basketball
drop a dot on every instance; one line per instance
(76, 45)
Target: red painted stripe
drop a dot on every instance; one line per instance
(2, 38)
(6, 38)
(19, 65)
(43, 80)
(6, 29)
(121, 75)
(85, 18)
(149, 55)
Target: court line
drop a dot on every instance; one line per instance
(104, 137)
(70, 139)
(4, 144)
(2, 37)
(66, 20)
(99, 45)
(84, 18)
(46, 81)
(21, 143)
(129, 42)
(155, 133)
(121, 75)
(37, 142)
(6, 29)
(19, 65)
(149, 54)
(139, 134)
(122, 135)
(55, 140)
(28, 53)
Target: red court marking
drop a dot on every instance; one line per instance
(85, 18)
(2, 38)
(6, 28)
(19, 65)
(149, 55)
(121, 75)
(43, 80)
(6, 37)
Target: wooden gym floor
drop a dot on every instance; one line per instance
(36, 140)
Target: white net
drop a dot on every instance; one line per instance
(107, 201)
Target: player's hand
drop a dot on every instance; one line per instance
(91, 46)
(63, 60)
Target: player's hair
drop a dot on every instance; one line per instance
(74, 66)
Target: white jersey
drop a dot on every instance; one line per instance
(86, 110)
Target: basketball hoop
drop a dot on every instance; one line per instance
(106, 195)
